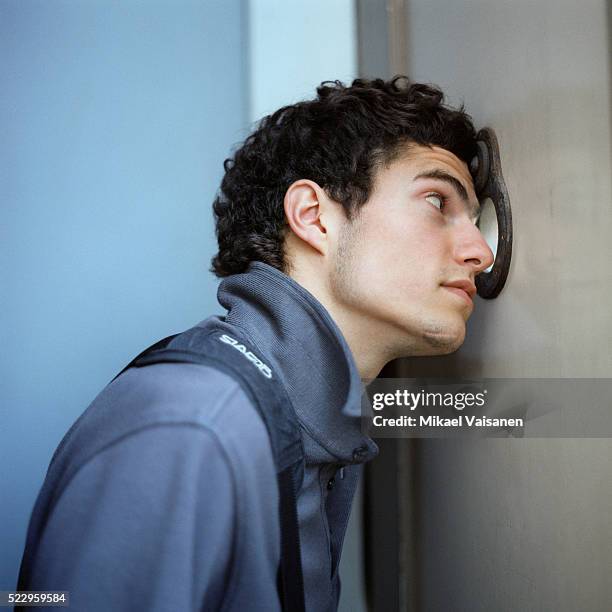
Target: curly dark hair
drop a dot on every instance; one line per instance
(338, 140)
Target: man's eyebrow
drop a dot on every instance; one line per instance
(442, 175)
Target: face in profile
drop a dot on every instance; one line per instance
(415, 238)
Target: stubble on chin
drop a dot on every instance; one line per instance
(441, 339)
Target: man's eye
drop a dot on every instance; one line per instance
(436, 199)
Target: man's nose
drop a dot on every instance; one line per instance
(472, 248)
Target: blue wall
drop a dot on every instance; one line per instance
(116, 117)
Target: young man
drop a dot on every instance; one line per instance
(347, 236)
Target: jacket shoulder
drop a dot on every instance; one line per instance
(171, 394)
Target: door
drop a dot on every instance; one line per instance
(515, 524)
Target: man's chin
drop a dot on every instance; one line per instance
(442, 339)
(427, 338)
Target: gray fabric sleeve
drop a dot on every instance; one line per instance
(147, 524)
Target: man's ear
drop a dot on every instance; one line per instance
(305, 207)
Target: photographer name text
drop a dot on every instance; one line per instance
(412, 401)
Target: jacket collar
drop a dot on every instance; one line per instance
(300, 341)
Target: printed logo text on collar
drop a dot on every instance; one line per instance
(260, 365)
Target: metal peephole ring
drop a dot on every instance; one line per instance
(495, 221)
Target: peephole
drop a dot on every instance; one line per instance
(495, 222)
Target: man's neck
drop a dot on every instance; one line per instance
(367, 344)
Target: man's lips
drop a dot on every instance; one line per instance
(462, 288)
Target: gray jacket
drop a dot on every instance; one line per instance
(176, 507)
